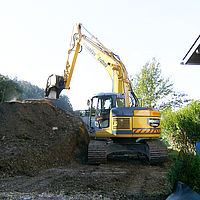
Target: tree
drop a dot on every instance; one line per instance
(9, 89)
(181, 128)
(30, 91)
(154, 89)
(23, 90)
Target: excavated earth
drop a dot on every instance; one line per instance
(37, 135)
(43, 155)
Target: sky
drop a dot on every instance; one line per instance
(35, 37)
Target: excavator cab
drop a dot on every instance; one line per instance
(55, 84)
(101, 106)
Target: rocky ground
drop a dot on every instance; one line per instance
(43, 152)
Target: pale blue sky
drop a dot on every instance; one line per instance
(35, 36)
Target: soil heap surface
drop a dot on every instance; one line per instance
(37, 135)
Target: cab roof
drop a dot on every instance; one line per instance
(109, 94)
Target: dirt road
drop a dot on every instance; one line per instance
(118, 179)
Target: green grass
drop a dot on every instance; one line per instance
(173, 154)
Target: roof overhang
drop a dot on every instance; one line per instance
(193, 55)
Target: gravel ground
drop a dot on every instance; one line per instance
(118, 179)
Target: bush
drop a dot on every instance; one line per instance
(181, 128)
(187, 170)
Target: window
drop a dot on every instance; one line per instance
(105, 103)
(120, 102)
(103, 111)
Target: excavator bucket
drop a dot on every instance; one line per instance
(55, 84)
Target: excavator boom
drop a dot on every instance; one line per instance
(110, 61)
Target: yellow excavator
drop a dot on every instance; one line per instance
(118, 125)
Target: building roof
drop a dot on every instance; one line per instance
(193, 55)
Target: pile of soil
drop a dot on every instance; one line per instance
(37, 135)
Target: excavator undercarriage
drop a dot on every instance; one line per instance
(153, 149)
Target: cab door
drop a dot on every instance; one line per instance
(100, 111)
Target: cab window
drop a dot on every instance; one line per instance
(120, 102)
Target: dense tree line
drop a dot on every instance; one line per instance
(13, 89)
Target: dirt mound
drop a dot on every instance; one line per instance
(36, 134)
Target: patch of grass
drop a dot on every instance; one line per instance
(186, 169)
(173, 154)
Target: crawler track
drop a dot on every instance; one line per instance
(157, 151)
(97, 152)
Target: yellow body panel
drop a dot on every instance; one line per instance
(140, 136)
(147, 113)
(103, 133)
(137, 127)
(108, 134)
(141, 122)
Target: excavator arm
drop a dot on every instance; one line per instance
(82, 38)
